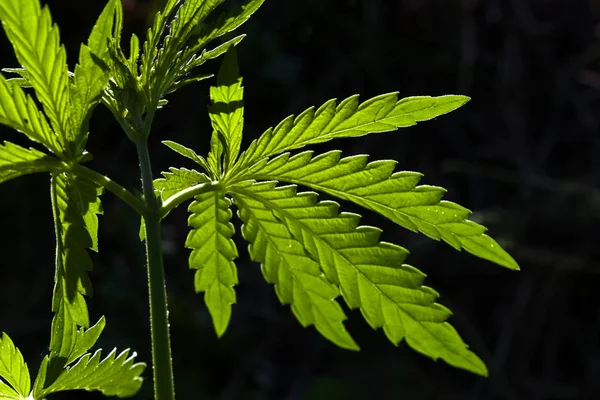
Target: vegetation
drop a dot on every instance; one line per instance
(311, 252)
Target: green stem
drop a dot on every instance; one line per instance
(159, 323)
(83, 172)
(187, 194)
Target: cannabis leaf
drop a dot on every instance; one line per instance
(178, 179)
(20, 112)
(85, 339)
(226, 23)
(309, 250)
(168, 65)
(297, 277)
(213, 254)
(189, 153)
(395, 195)
(154, 35)
(227, 110)
(16, 161)
(76, 205)
(14, 370)
(113, 376)
(91, 73)
(370, 273)
(37, 45)
(383, 113)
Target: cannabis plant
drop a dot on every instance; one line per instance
(314, 254)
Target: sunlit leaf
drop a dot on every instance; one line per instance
(395, 195)
(370, 273)
(13, 369)
(213, 252)
(36, 42)
(297, 277)
(16, 161)
(113, 376)
(227, 109)
(383, 113)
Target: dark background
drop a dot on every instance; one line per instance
(524, 154)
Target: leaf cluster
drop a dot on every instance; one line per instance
(314, 254)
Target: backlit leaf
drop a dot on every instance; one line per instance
(213, 252)
(16, 161)
(13, 368)
(297, 277)
(36, 42)
(113, 376)
(383, 113)
(370, 273)
(395, 195)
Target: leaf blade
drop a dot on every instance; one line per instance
(383, 113)
(178, 179)
(16, 161)
(19, 111)
(227, 110)
(213, 252)
(370, 273)
(13, 368)
(77, 205)
(395, 195)
(113, 376)
(188, 153)
(226, 23)
(91, 74)
(297, 278)
(36, 42)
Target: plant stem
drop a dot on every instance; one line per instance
(187, 194)
(137, 204)
(159, 323)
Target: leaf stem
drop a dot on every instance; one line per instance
(159, 323)
(188, 194)
(134, 202)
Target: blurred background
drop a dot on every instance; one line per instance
(524, 154)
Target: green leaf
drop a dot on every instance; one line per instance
(16, 161)
(191, 14)
(19, 111)
(13, 368)
(40, 379)
(178, 179)
(169, 63)
(76, 206)
(370, 273)
(134, 52)
(67, 344)
(154, 35)
(186, 81)
(37, 45)
(218, 149)
(113, 376)
(85, 339)
(213, 252)
(227, 109)
(383, 113)
(175, 181)
(297, 277)
(8, 393)
(63, 335)
(205, 55)
(395, 195)
(189, 153)
(22, 81)
(226, 23)
(91, 74)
